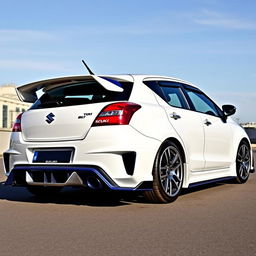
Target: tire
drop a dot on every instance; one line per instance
(43, 191)
(243, 160)
(168, 174)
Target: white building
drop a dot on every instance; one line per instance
(249, 125)
(10, 106)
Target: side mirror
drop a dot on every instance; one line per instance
(229, 110)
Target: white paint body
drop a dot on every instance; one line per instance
(210, 151)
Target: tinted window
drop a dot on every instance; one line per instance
(153, 85)
(169, 92)
(202, 104)
(174, 96)
(81, 93)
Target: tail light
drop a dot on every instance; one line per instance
(17, 125)
(116, 114)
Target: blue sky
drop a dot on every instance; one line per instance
(211, 43)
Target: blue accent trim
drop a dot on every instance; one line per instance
(112, 186)
(112, 81)
(210, 181)
(10, 179)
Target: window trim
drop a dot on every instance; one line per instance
(188, 88)
(155, 86)
(174, 85)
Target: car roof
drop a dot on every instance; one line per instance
(145, 77)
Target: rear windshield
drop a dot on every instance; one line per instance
(81, 93)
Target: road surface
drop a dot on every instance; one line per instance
(218, 219)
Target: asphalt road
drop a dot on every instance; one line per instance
(217, 219)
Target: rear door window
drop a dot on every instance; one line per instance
(174, 96)
(170, 92)
(87, 92)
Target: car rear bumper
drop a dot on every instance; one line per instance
(87, 176)
(125, 155)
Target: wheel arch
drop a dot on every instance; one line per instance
(179, 145)
(246, 141)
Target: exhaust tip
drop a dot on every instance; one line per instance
(94, 183)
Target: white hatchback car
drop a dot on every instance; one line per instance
(124, 132)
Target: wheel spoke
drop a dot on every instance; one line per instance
(169, 154)
(176, 177)
(239, 155)
(176, 167)
(239, 160)
(174, 160)
(243, 150)
(241, 170)
(166, 185)
(245, 172)
(247, 156)
(164, 176)
(167, 158)
(170, 185)
(175, 183)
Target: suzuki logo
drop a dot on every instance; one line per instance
(50, 118)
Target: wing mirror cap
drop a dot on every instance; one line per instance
(229, 110)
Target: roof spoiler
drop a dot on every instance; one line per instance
(27, 92)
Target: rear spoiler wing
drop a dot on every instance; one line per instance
(27, 92)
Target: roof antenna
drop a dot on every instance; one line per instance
(90, 72)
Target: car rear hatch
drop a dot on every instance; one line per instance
(67, 109)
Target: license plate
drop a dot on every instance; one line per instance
(52, 156)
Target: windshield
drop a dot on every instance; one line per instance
(81, 93)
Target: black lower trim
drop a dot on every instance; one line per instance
(6, 157)
(145, 185)
(129, 162)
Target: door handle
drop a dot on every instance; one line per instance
(207, 122)
(175, 116)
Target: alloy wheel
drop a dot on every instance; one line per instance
(171, 171)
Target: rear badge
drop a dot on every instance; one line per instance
(50, 118)
(84, 116)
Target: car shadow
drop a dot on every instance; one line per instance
(72, 196)
(77, 196)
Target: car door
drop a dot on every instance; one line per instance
(186, 123)
(218, 133)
